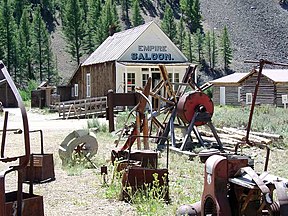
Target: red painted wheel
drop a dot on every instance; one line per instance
(190, 103)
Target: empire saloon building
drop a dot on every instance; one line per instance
(126, 60)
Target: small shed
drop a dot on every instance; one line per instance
(238, 88)
(7, 97)
(126, 60)
(42, 96)
(227, 89)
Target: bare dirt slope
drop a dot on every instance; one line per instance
(257, 28)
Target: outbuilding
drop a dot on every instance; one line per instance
(238, 88)
(125, 60)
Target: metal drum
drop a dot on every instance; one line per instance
(194, 102)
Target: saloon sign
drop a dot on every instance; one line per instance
(151, 53)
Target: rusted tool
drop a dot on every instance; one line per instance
(17, 202)
(140, 125)
(144, 175)
(40, 168)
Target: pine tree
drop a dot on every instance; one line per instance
(214, 50)
(8, 31)
(188, 48)
(137, 19)
(109, 23)
(208, 49)
(181, 33)
(198, 41)
(40, 42)
(18, 10)
(85, 8)
(90, 42)
(191, 10)
(25, 47)
(168, 24)
(125, 4)
(74, 29)
(226, 49)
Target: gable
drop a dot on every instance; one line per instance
(153, 46)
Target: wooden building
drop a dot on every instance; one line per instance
(7, 97)
(238, 88)
(126, 60)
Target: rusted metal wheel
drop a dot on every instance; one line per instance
(194, 102)
(79, 143)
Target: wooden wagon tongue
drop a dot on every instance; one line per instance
(17, 202)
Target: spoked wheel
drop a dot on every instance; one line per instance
(78, 144)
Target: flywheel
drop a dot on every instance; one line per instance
(79, 143)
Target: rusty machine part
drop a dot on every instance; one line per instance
(142, 175)
(17, 202)
(40, 168)
(194, 108)
(79, 143)
(140, 125)
(232, 187)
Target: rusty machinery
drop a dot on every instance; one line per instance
(231, 185)
(17, 202)
(186, 107)
(40, 168)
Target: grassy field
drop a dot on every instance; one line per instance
(186, 175)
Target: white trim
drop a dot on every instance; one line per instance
(248, 98)
(239, 94)
(222, 96)
(76, 90)
(88, 85)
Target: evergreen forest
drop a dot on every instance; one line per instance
(26, 27)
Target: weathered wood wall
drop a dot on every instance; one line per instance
(102, 77)
(281, 89)
(231, 95)
(266, 92)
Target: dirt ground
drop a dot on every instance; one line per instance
(80, 194)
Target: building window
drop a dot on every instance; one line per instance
(239, 94)
(154, 69)
(145, 69)
(130, 82)
(88, 85)
(144, 79)
(170, 75)
(176, 77)
(248, 98)
(76, 90)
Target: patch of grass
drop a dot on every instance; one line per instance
(95, 123)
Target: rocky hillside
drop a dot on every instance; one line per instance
(257, 28)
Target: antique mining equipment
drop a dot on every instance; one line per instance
(16, 202)
(142, 173)
(40, 168)
(233, 188)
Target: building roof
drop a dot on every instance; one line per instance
(114, 46)
(276, 75)
(232, 78)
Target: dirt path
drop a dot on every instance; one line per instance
(78, 194)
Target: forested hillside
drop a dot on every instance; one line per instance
(46, 39)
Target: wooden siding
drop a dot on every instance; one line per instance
(102, 78)
(266, 92)
(231, 95)
(281, 89)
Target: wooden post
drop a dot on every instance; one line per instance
(145, 132)
(138, 130)
(109, 110)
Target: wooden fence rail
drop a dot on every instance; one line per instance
(83, 107)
